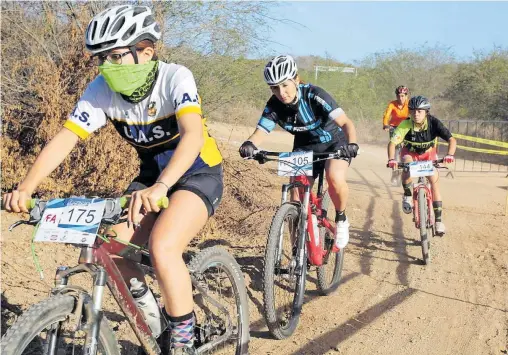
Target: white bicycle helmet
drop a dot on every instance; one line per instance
(280, 69)
(121, 26)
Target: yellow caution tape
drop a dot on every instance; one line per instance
(481, 140)
(480, 150)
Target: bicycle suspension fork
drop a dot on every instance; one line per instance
(302, 221)
(52, 340)
(302, 228)
(92, 335)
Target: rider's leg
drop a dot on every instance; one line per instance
(339, 191)
(407, 201)
(437, 203)
(337, 185)
(124, 257)
(172, 232)
(396, 173)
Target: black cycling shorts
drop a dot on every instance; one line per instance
(206, 182)
(319, 167)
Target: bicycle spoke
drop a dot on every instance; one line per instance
(285, 276)
(69, 341)
(212, 322)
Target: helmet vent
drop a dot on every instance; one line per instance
(118, 26)
(138, 10)
(104, 27)
(129, 32)
(148, 21)
(94, 27)
(120, 9)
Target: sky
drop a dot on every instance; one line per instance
(350, 31)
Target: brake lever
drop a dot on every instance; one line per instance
(16, 224)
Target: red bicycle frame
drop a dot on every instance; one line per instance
(428, 193)
(316, 252)
(98, 256)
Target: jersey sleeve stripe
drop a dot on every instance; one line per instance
(75, 128)
(188, 109)
(266, 125)
(336, 113)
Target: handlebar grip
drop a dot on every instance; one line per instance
(162, 203)
(30, 204)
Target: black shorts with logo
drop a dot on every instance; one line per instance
(206, 182)
(333, 146)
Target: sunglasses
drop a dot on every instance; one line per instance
(113, 58)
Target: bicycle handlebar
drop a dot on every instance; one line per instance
(112, 210)
(401, 165)
(123, 201)
(261, 155)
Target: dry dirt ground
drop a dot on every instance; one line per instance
(388, 303)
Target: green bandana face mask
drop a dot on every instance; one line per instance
(126, 78)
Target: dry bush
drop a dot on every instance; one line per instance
(45, 69)
(44, 72)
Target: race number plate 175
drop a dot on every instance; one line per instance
(72, 220)
(421, 168)
(295, 164)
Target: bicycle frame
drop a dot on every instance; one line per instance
(96, 261)
(422, 184)
(310, 203)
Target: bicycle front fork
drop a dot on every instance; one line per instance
(302, 223)
(92, 335)
(94, 316)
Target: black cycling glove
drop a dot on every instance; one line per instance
(247, 149)
(352, 150)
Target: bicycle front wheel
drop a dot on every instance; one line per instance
(218, 273)
(283, 279)
(329, 274)
(424, 235)
(31, 333)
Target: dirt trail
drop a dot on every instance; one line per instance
(388, 302)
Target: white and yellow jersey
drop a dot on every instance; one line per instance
(150, 125)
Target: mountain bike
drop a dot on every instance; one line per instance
(423, 213)
(71, 320)
(310, 242)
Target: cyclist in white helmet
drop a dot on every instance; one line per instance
(155, 107)
(318, 124)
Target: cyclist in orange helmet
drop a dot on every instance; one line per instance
(396, 112)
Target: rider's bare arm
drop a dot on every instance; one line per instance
(47, 161)
(452, 146)
(187, 150)
(347, 126)
(258, 137)
(391, 151)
